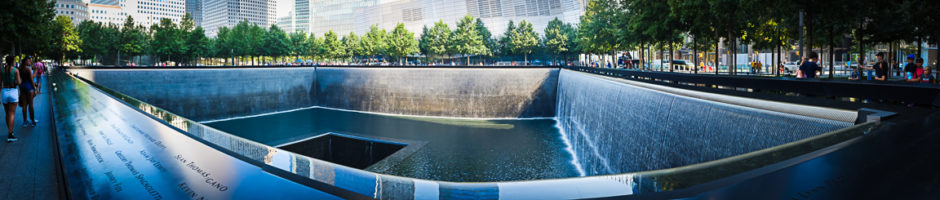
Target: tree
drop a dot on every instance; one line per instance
(424, 40)
(402, 42)
(133, 39)
(487, 36)
(438, 39)
(26, 27)
(505, 42)
(66, 41)
(352, 44)
(597, 30)
(276, 42)
(316, 47)
(334, 47)
(168, 41)
(298, 44)
(255, 42)
(198, 43)
(526, 40)
(556, 39)
(374, 42)
(223, 45)
(467, 39)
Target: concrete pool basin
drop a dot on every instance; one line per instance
(617, 132)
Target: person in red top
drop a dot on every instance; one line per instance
(38, 69)
(917, 74)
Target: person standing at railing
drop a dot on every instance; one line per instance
(809, 68)
(881, 67)
(918, 72)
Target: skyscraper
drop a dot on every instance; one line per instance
(287, 23)
(228, 13)
(194, 8)
(149, 12)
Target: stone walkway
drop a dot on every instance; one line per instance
(28, 167)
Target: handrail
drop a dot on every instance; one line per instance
(908, 93)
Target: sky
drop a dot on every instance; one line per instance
(283, 7)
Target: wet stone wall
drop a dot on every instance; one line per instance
(209, 94)
(470, 93)
(615, 127)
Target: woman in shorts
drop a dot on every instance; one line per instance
(9, 80)
(27, 92)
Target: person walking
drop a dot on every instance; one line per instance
(39, 69)
(809, 69)
(9, 95)
(27, 92)
(881, 67)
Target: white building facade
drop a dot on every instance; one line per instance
(77, 10)
(149, 12)
(344, 16)
(228, 13)
(106, 12)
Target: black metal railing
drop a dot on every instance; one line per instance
(845, 94)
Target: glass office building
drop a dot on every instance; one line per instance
(228, 13)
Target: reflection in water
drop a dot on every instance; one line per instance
(456, 149)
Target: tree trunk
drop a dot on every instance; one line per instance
(695, 54)
(832, 55)
(717, 52)
(671, 56)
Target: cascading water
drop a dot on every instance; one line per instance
(614, 127)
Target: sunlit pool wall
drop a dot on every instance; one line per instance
(614, 127)
(449, 92)
(210, 94)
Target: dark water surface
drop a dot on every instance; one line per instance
(459, 150)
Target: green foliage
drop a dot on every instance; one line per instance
(276, 42)
(316, 47)
(597, 32)
(65, 39)
(104, 43)
(556, 39)
(352, 44)
(26, 26)
(438, 39)
(298, 44)
(466, 38)
(401, 42)
(374, 42)
(198, 43)
(334, 47)
(168, 41)
(525, 40)
(487, 36)
(133, 40)
(505, 42)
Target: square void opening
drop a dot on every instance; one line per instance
(347, 150)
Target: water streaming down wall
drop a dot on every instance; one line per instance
(615, 127)
(208, 94)
(212, 94)
(472, 93)
(612, 126)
